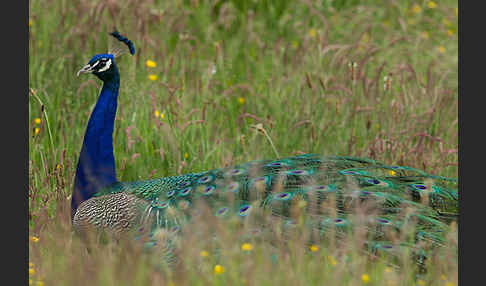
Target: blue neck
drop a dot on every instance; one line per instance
(96, 164)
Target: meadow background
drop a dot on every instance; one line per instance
(376, 79)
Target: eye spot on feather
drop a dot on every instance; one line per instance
(322, 188)
(235, 172)
(284, 196)
(419, 187)
(377, 182)
(344, 172)
(340, 222)
(162, 205)
(170, 193)
(259, 179)
(383, 221)
(207, 190)
(244, 210)
(233, 187)
(185, 184)
(275, 164)
(185, 191)
(298, 172)
(373, 181)
(259, 182)
(222, 211)
(396, 167)
(205, 179)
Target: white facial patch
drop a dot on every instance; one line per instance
(107, 66)
(95, 64)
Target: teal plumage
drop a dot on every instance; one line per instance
(278, 186)
(328, 191)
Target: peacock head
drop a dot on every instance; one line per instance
(103, 65)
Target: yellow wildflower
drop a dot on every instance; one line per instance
(34, 239)
(446, 22)
(186, 155)
(441, 49)
(392, 173)
(204, 253)
(432, 4)
(39, 283)
(162, 115)
(443, 277)
(31, 271)
(449, 284)
(152, 77)
(312, 33)
(420, 282)
(314, 248)
(365, 38)
(37, 121)
(36, 130)
(246, 247)
(218, 269)
(425, 34)
(450, 32)
(387, 269)
(241, 100)
(301, 204)
(365, 278)
(416, 8)
(30, 281)
(157, 113)
(332, 260)
(150, 64)
(31, 264)
(30, 22)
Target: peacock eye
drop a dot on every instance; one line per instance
(101, 65)
(95, 64)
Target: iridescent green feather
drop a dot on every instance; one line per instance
(332, 188)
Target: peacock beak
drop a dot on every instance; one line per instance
(85, 69)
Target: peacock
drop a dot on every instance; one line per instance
(328, 189)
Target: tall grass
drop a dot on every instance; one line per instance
(315, 74)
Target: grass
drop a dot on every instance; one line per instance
(315, 75)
